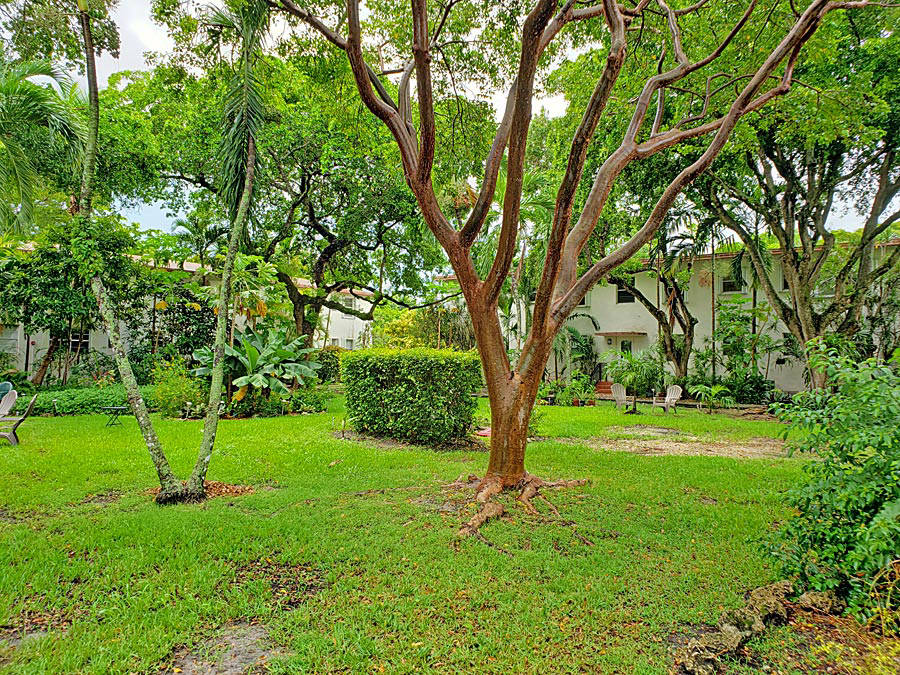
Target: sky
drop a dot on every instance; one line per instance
(139, 35)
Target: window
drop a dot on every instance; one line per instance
(350, 303)
(730, 285)
(348, 343)
(80, 342)
(625, 346)
(622, 295)
(335, 342)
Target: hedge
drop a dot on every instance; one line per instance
(83, 401)
(330, 359)
(421, 395)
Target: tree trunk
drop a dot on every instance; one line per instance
(195, 489)
(89, 161)
(171, 488)
(38, 378)
(512, 397)
(712, 295)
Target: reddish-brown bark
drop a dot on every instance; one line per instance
(512, 388)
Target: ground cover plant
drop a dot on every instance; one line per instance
(121, 585)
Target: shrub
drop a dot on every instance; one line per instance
(84, 401)
(750, 388)
(175, 389)
(847, 526)
(330, 360)
(421, 395)
(309, 400)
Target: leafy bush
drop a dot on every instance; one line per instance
(262, 360)
(847, 527)
(750, 388)
(712, 396)
(83, 401)
(329, 359)
(301, 400)
(421, 395)
(175, 389)
(309, 400)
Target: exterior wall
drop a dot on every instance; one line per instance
(630, 322)
(342, 330)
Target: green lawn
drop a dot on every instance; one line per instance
(674, 543)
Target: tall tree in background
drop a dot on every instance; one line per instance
(838, 144)
(512, 387)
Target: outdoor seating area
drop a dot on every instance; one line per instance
(8, 423)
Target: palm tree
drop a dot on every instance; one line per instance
(247, 24)
(201, 238)
(24, 103)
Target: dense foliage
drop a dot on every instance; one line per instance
(847, 527)
(421, 395)
(177, 393)
(84, 401)
(329, 359)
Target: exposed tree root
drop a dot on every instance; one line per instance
(529, 488)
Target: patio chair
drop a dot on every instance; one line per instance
(8, 402)
(5, 388)
(618, 392)
(8, 425)
(670, 402)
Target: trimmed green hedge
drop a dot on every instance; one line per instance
(420, 395)
(89, 400)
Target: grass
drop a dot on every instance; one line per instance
(674, 543)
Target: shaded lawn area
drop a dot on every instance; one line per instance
(128, 584)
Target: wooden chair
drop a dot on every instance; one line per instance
(8, 401)
(673, 393)
(618, 392)
(8, 425)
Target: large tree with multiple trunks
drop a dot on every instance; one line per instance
(680, 58)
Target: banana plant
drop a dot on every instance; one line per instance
(264, 360)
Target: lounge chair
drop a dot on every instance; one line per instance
(670, 402)
(618, 392)
(8, 402)
(8, 425)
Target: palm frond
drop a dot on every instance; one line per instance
(243, 102)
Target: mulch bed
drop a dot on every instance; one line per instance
(215, 488)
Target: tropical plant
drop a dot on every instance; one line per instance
(25, 104)
(712, 396)
(263, 360)
(844, 534)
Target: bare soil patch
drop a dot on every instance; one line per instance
(291, 584)
(647, 430)
(31, 625)
(752, 448)
(215, 489)
(240, 648)
(108, 497)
